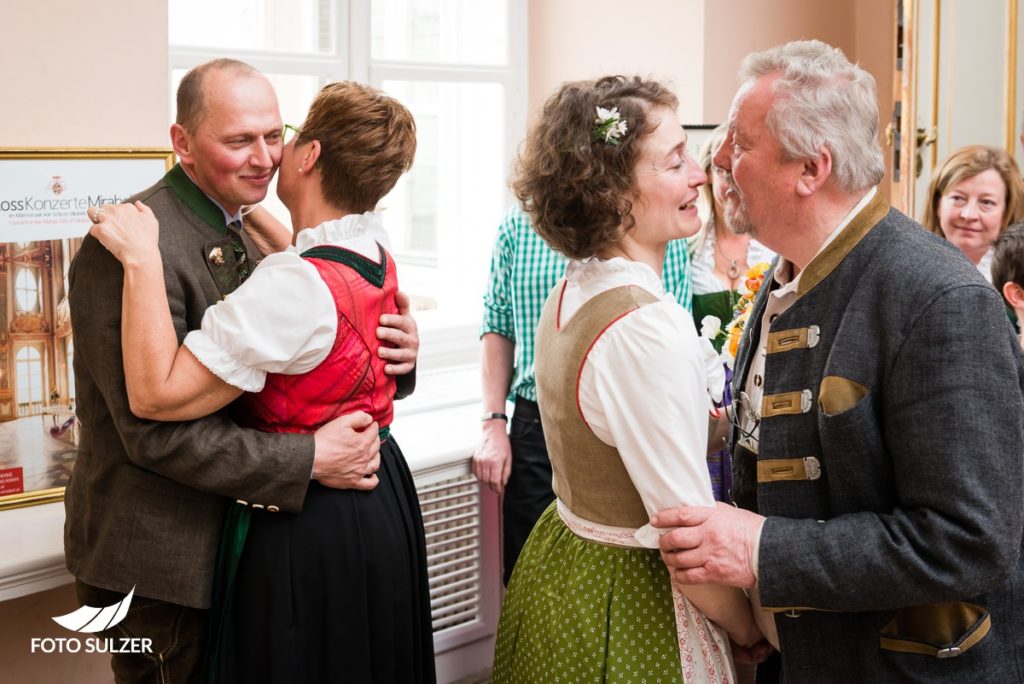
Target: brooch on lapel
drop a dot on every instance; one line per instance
(216, 256)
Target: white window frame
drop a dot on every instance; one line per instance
(447, 337)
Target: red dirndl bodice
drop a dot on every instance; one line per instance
(352, 377)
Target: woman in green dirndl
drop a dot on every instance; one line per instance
(622, 381)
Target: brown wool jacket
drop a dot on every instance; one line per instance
(146, 499)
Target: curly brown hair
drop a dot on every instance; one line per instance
(579, 190)
(968, 162)
(367, 141)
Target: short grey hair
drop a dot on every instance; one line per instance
(822, 99)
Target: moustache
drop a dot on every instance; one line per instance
(730, 182)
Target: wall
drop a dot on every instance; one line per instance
(71, 69)
(875, 50)
(863, 29)
(764, 24)
(578, 39)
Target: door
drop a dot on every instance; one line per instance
(956, 84)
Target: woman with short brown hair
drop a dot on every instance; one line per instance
(339, 591)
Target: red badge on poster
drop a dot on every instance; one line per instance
(11, 481)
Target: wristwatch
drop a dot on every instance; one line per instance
(493, 415)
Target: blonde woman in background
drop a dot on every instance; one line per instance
(973, 196)
(719, 259)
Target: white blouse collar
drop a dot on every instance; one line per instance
(593, 268)
(344, 229)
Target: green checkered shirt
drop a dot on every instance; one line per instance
(523, 271)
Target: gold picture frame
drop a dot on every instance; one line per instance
(44, 195)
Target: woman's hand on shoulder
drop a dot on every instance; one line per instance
(129, 231)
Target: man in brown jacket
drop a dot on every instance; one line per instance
(146, 500)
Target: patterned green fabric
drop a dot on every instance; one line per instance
(578, 612)
(523, 271)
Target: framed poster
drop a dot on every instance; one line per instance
(44, 195)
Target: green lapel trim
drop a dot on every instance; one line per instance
(826, 262)
(194, 198)
(371, 272)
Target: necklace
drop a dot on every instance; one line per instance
(733, 272)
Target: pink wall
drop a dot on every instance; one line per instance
(734, 28)
(578, 39)
(71, 69)
(876, 52)
(863, 29)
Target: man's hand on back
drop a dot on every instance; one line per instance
(347, 453)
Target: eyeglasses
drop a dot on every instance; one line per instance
(289, 132)
(732, 414)
(286, 133)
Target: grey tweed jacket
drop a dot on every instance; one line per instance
(890, 465)
(146, 499)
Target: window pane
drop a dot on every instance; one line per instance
(279, 25)
(441, 215)
(29, 368)
(26, 290)
(451, 31)
(71, 364)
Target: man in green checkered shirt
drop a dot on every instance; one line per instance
(515, 463)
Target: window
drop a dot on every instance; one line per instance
(460, 67)
(26, 289)
(28, 364)
(69, 355)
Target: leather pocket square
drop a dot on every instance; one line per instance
(838, 394)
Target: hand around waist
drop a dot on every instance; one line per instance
(347, 454)
(705, 544)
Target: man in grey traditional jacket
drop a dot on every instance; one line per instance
(879, 436)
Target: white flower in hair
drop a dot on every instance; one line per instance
(609, 126)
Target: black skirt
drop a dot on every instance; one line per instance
(337, 593)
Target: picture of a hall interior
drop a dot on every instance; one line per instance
(38, 427)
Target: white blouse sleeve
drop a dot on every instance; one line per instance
(281, 320)
(643, 390)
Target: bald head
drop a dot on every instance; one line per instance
(191, 91)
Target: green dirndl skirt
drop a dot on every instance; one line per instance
(579, 611)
